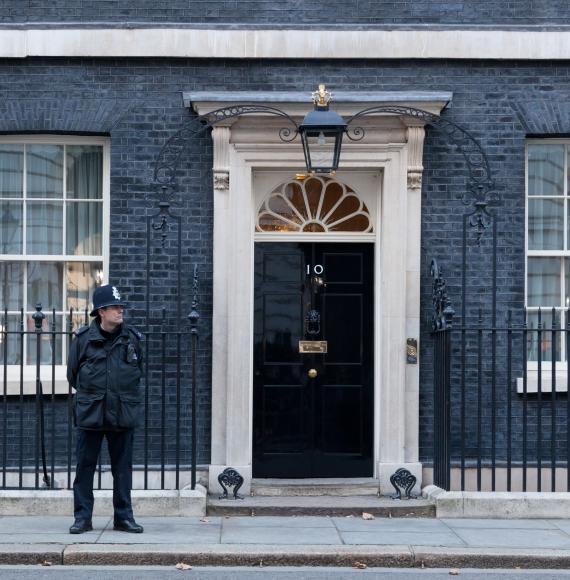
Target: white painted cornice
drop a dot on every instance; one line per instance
(281, 43)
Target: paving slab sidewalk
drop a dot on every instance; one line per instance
(273, 540)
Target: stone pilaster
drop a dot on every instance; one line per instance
(221, 169)
(415, 138)
(222, 221)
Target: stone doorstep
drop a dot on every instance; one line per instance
(184, 502)
(315, 487)
(499, 504)
(323, 505)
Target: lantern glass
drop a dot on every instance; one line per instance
(322, 149)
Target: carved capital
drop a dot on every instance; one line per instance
(221, 180)
(414, 179)
(415, 153)
(221, 139)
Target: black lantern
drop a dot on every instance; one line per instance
(321, 132)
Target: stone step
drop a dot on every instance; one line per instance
(55, 502)
(321, 506)
(314, 487)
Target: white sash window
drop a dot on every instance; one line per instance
(54, 194)
(548, 244)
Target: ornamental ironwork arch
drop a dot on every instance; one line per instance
(480, 186)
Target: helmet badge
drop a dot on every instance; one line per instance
(116, 294)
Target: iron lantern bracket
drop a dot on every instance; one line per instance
(480, 186)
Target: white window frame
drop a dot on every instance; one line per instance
(13, 386)
(546, 366)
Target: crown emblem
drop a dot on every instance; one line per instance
(116, 294)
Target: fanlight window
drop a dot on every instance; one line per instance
(318, 204)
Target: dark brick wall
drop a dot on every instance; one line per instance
(294, 12)
(139, 104)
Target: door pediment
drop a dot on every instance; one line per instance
(298, 104)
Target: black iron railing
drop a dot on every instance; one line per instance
(37, 438)
(501, 404)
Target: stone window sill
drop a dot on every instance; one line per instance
(14, 385)
(561, 382)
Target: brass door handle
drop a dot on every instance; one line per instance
(312, 373)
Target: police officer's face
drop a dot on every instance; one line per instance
(111, 317)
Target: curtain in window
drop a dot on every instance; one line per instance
(11, 215)
(49, 349)
(10, 344)
(543, 284)
(545, 224)
(84, 172)
(84, 182)
(546, 169)
(44, 231)
(44, 285)
(11, 170)
(44, 171)
(11, 278)
(543, 289)
(84, 225)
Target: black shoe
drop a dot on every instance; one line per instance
(80, 527)
(128, 526)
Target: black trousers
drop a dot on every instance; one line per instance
(120, 445)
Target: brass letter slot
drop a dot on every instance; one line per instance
(313, 346)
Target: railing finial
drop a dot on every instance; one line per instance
(442, 317)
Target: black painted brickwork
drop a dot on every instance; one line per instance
(139, 103)
(292, 12)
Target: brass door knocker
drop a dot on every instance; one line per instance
(312, 322)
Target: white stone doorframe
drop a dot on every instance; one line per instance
(393, 147)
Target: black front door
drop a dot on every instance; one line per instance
(313, 412)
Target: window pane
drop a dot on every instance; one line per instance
(44, 168)
(79, 319)
(567, 286)
(545, 169)
(44, 285)
(544, 345)
(11, 227)
(81, 279)
(84, 171)
(568, 172)
(545, 224)
(11, 170)
(84, 225)
(10, 340)
(11, 279)
(543, 286)
(50, 345)
(44, 231)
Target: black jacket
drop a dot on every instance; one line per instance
(106, 375)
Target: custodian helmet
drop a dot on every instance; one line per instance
(106, 295)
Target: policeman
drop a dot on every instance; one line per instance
(104, 367)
